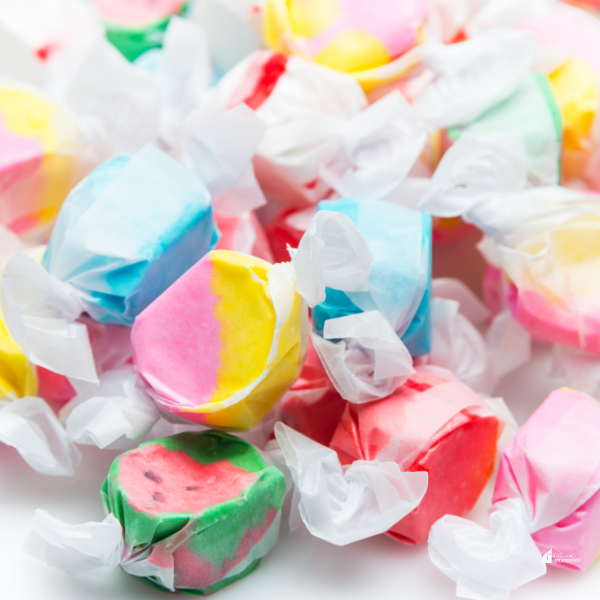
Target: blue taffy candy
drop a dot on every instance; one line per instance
(399, 283)
(123, 236)
(128, 231)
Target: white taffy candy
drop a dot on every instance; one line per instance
(342, 505)
(225, 167)
(487, 563)
(332, 253)
(115, 408)
(472, 76)
(29, 425)
(92, 549)
(367, 361)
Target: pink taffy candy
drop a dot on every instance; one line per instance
(546, 505)
(429, 424)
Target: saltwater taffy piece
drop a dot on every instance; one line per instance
(187, 344)
(125, 234)
(546, 505)
(39, 141)
(134, 27)
(429, 424)
(190, 513)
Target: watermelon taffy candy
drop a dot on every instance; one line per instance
(192, 513)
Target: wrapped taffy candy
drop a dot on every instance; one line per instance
(399, 280)
(571, 34)
(312, 406)
(317, 137)
(26, 422)
(228, 303)
(430, 424)
(346, 35)
(533, 111)
(125, 233)
(39, 159)
(546, 505)
(134, 27)
(186, 344)
(42, 40)
(189, 513)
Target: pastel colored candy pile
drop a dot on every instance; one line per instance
(312, 405)
(400, 276)
(552, 464)
(128, 231)
(346, 35)
(38, 158)
(203, 506)
(429, 424)
(138, 26)
(187, 344)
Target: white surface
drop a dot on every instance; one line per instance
(299, 567)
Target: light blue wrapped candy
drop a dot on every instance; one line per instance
(123, 236)
(128, 231)
(400, 278)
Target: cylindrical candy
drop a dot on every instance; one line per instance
(198, 510)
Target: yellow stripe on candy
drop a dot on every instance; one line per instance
(309, 18)
(353, 51)
(575, 87)
(17, 374)
(247, 319)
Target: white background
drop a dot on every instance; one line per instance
(300, 566)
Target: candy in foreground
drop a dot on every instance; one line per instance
(192, 512)
(546, 505)
(40, 149)
(429, 424)
(224, 342)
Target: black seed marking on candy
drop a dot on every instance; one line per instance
(159, 497)
(153, 476)
(191, 488)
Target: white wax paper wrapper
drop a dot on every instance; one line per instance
(473, 76)
(93, 548)
(469, 304)
(218, 145)
(487, 563)
(472, 170)
(456, 345)
(29, 425)
(233, 28)
(116, 104)
(379, 146)
(183, 74)
(44, 40)
(509, 345)
(39, 312)
(368, 362)
(116, 407)
(332, 253)
(342, 505)
(580, 368)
